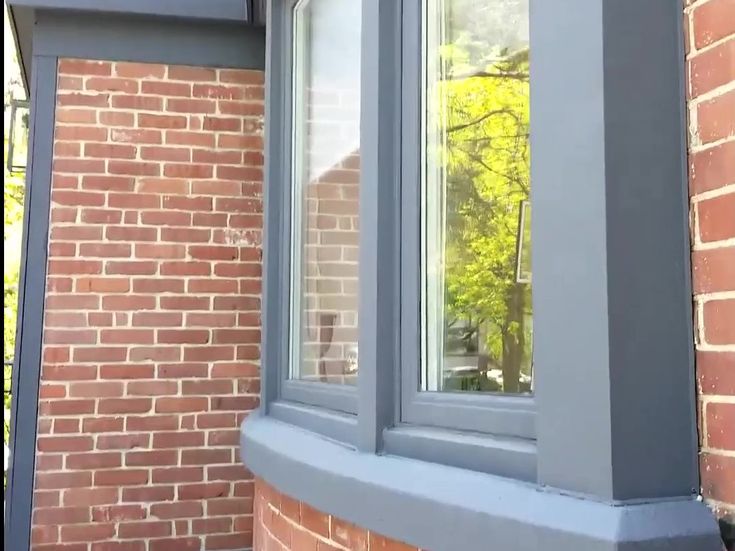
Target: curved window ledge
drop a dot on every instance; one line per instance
(444, 508)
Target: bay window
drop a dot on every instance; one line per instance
(476, 309)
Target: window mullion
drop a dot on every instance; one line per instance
(379, 219)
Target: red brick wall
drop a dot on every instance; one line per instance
(152, 328)
(282, 523)
(710, 33)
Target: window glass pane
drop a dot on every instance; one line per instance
(476, 273)
(325, 185)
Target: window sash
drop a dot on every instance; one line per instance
(487, 413)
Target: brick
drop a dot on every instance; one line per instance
(180, 89)
(717, 215)
(215, 187)
(212, 525)
(105, 250)
(714, 270)
(238, 76)
(128, 302)
(183, 336)
(718, 321)
(185, 303)
(198, 204)
(69, 115)
(60, 515)
(151, 458)
(90, 496)
(179, 105)
(88, 532)
(100, 354)
(64, 443)
(74, 336)
(222, 124)
(223, 438)
(210, 219)
(131, 268)
(230, 506)
(116, 513)
(240, 108)
(95, 390)
(122, 441)
(53, 481)
(152, 422)
(185, 235)
(176, 544)
(151, 529)
(715, 117)
(716, 372)
(178, 474)
(720, 420)
(101, 84)
(103, 424)
(152, 388)
(713, 20)
(81, 133)
(191, 74)
(118, 545)
(157, 319)
(180, 509)
(48, 462)
(166, 218)
(135, 136)
(125, 405)
(126, 371)
(101, 216)
(148, 494)
(117, 118)
(181, 405)
(179, 370)
(716, 477)
(229, 541)
(119, 478)
(208, 353)
(209, 320)
(78, 198)
(135, 168)
(84, 67)
(712, 68)
(127, 233)
(139, 70)
(156, 353)
(146, 120)
(110, 151)
(231, 473)
(161, 153)
(206, 457)
(158, 285)
(236, 336)
(163, 251)
(201, 139)
(96, 460)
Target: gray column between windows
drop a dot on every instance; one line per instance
(612, 312)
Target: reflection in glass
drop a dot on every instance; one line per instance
(325, 186)
(476, 271)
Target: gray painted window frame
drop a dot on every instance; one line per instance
(485, 413)
(605, 434)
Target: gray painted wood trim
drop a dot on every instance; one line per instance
(131, 38)
(227, 10)
(380, 245)
(611, 277)
(445, 509)
(31, 293)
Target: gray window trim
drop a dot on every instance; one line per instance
(614, 460)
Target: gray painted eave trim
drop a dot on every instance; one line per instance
(444, 508)
(22, 16)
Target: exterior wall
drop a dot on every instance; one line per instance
(282, 523)
(710, 27)
(152, 324)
